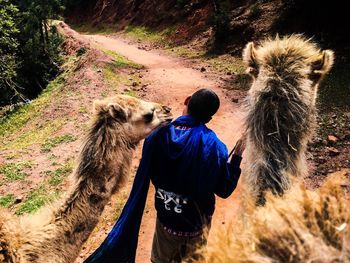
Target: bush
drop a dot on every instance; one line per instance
(220, 21)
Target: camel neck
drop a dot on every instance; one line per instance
(103, 165)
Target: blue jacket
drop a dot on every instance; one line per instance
(189, 164)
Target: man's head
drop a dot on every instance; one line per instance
(202, 105)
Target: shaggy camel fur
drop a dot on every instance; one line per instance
(281, 110)
(302, 226)
(57, 234)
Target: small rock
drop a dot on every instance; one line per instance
(321, 160)
(127, 90)
(134, 84)
(18, 199)
(332, 139)
(334, 116)
(318, 140)
(229, 73)
(333, 151)
(203, 69)
(234, 100)
(99, 70)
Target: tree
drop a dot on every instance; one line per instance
(8, 46)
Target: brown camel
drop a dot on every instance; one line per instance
(57, 233)
(281, 110)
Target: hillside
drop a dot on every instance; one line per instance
(162, 51)
(240, 21)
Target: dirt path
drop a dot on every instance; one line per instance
(170, 81)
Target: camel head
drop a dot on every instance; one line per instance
(136, 117)
(281, 64)
(281, 109)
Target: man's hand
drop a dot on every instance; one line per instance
(240, 147)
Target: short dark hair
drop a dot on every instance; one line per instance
(203, 104)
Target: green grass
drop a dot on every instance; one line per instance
(53, 142)
(112, 77)
(111, 74)
(36, 199)
(115, 80)
(100, 29)
(16, 121)
(131, 93)
(14, 171)
(57, 176)
(146, 34)
(226, 63)
(121, 61)
(7, 200)
(37, 135)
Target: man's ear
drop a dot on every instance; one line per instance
(187, 100)
(117, 112)
(322, 65)
(249, 57)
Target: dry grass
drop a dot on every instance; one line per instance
(304, 226)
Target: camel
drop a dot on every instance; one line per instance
(298, 225)
(57, 233)
(281, 110)
(302, 226)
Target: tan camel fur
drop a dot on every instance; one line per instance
(302, 226)
(281, 110)
(57, 233)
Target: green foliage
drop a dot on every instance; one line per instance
(14, 171)
(53, 142)
(14, 122)
(29, 48)
(7, 200)
(220, 21)
(8, 46)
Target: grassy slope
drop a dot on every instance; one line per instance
(39, 140)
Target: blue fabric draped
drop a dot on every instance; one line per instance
(186, 145)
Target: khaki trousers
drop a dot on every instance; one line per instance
(168, 248)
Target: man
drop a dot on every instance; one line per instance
(188, 167)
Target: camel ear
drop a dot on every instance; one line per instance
(322, 65)
(98, 105)
(117, 112)
(249, 57)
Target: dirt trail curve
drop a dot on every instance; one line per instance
(171, 80)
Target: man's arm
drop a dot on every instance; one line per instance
(231, 172)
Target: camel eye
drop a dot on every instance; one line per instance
(148, 117)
